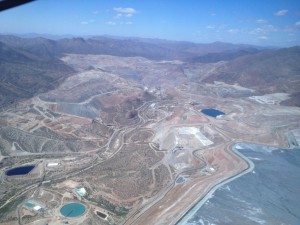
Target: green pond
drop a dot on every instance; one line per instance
(72, 210)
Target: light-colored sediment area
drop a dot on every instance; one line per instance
(181, 197)
(207, 196)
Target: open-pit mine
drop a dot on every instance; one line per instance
(130, 140)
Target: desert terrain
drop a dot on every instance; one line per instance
(125, 136)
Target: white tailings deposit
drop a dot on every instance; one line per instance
(270, 98)
(187, 137)
(197, 134)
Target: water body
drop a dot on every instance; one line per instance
(212, 112)
(21, 170)
(72, 209)
(182, 179)
(268, 195)
(102, 215)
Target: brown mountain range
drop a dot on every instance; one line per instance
(32, 65)
(267, 72)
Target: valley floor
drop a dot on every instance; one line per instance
(129, 133)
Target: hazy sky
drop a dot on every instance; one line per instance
(261, 22)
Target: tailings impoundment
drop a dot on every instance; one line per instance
(270, 194)
(21, 170)
(72, 210)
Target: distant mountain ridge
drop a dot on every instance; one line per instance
(224, 56)
(268, 71)
(23, 74)
(148, 48)
(32, 65)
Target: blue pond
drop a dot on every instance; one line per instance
(72, 209)
(21, 170)
(212, 112)
(180, 180)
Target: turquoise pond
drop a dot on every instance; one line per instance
(72, 210)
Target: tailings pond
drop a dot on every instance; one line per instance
(212, 112)
(21, 170)
(72, 209)
(269, 195)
